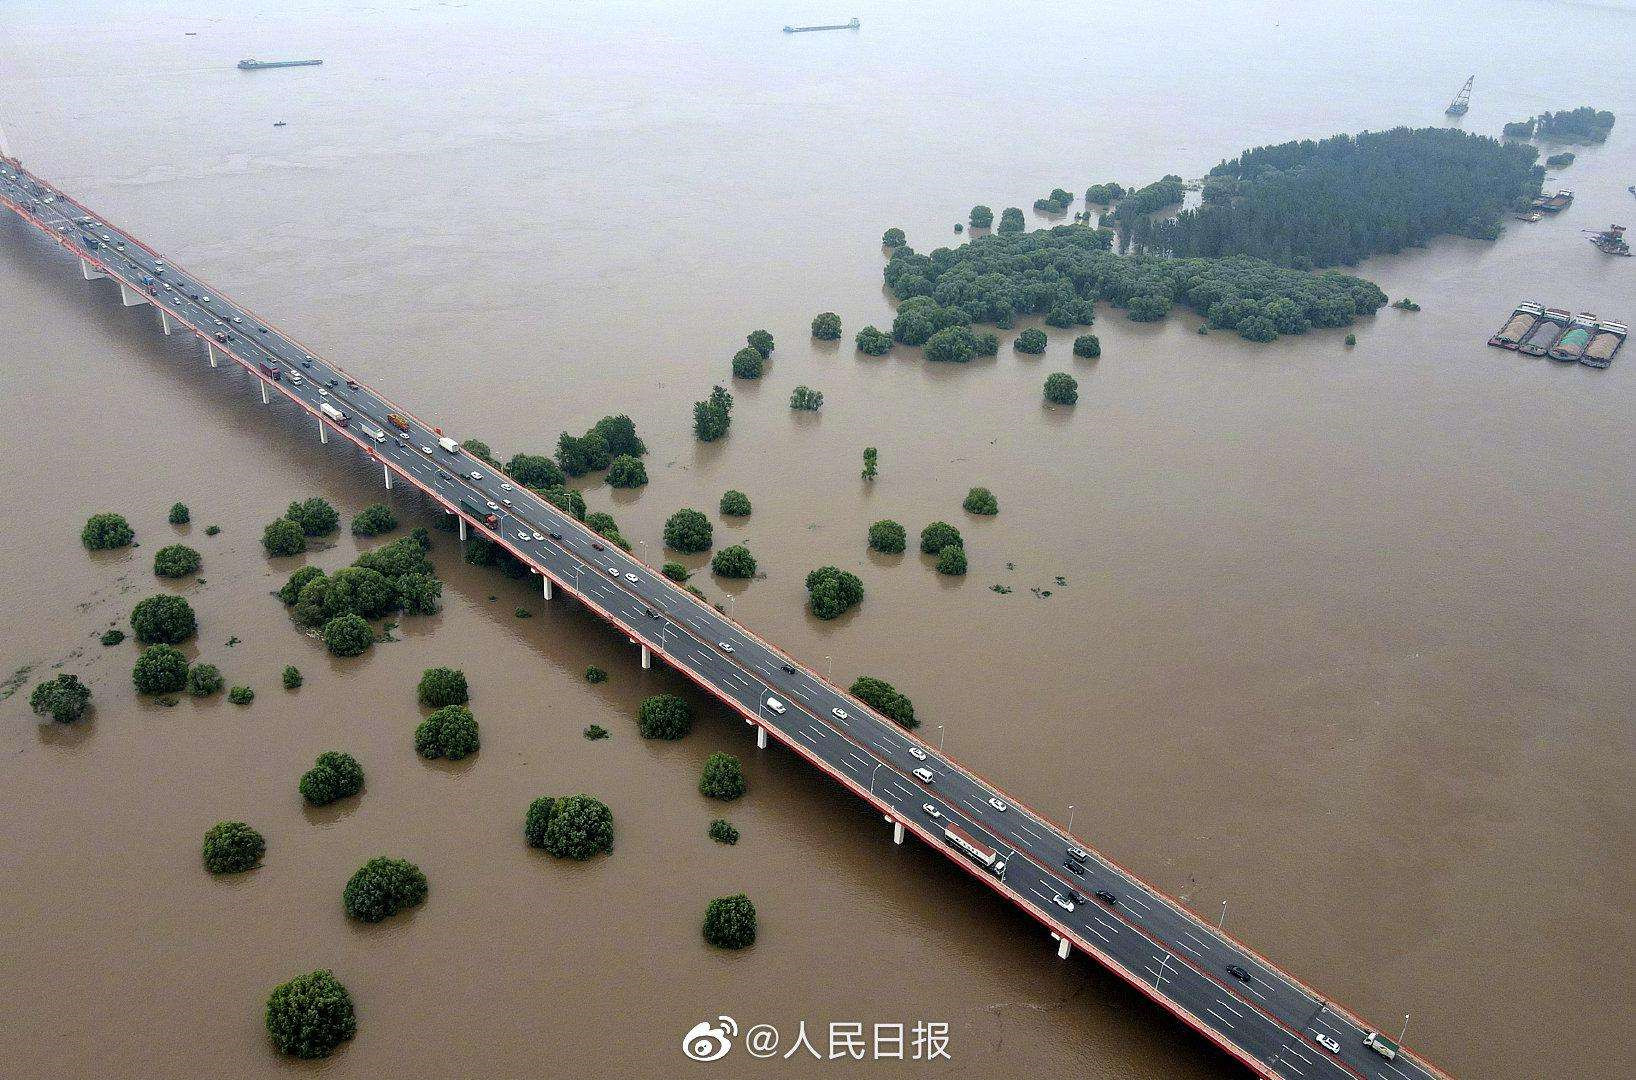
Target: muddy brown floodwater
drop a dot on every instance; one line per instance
(1345, 638)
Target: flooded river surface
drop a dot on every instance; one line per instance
(1342, 637)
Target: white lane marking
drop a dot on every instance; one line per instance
(800, 693)
(1229, 1008)
(1319, 1020)
(1024, 828)
(1189, 948)
(1111, 926)
(1291, 1065)
(1227, 1023)
(1397, 1070)
(1251, 988)
(809, 738)
(846, 760)
(820, 731)
(1196, 938)
(1300, 1056)
(1106, 940)
(1136, 903)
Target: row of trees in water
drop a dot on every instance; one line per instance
(1061, 272)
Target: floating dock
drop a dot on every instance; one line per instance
(853, 25)
(1518, 326)
(1609, 336)
(256, 65)
(1571, 345)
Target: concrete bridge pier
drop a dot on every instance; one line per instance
(545, 583)
(462, 522)
(1064, 946)
(386, 471)
(89, 272)
(210, 351)
(897, 830)
(761, 737)
(323, 433)
(131, 297)
(647, 658)
(265, 400)
(164, 321)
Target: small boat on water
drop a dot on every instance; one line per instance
(1611, 241)
(257, 65)
(1609, 336)
(1571, 345)
(278, 123)
(853, 25)
(1554, 204)
(1518, 326)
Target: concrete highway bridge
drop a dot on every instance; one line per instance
(1277, 1026)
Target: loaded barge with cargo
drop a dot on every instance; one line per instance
(1554, 204)
(1555, 332)
(853, 25)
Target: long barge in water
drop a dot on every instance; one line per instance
(853, 25)
(1571, 345)
(1518, 326)
(1609, 336)
(1552, 325)
(257, 65)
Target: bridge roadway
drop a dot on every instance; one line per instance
(1269, 1021)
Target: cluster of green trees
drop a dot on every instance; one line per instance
(334, 776)
(105, 532)
(572, 827)
(1057, 202)
(1104, 194)
(730, 922)
(893, 238)
(713, 415)
(944, 541)
(288, 535)
(450, 733)
(232, 847)
(394, 577)
(722, 778)
(1581, 125)
(980, 500)
(981, 217)
(806, 399)
(1087, 345)
(311, 1015)
(1061, 388)
(604, 525)
(1560, 161)
(163, 619)
(735, 504)
(826, 326)
(689, 531)
(179, 514)
(734, 562)
(1332, 202)
(885, 699)
(1011, 220)
(176, 561)
(1143, 202)
(722, 832)
(442, 686)
(535, 471)
(871, 463)
(607, 439)
(160, 669)
(626, 471)
(888, 537)
(204, 680)
(241, 695)
(996, 279)
(1031, 341)
(831, 592)
(65, 699)
(382, 887)
(873, 341)
(664, 716)
(374, 520)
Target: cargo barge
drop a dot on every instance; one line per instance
(1611, 241)
(853, 25)
(1571, 345)
(1517, 327)
(257, 65)
(1552, 325)
(1609, 336)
